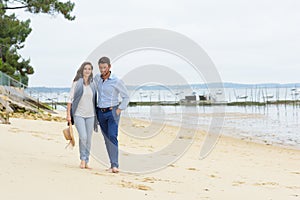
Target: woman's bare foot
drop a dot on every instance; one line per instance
(109, 170)
(82, 164)
(87, 166)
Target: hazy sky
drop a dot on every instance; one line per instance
(253, 41)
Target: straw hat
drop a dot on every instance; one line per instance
(68, 133)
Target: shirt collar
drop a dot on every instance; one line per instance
(111, 76)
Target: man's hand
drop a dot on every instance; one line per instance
(118, 111)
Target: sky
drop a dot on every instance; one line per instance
(249, 41)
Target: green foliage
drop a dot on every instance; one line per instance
(51, 7)
(14, 32)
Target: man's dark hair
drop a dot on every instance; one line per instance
(104, 60)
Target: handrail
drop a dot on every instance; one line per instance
(9, 81)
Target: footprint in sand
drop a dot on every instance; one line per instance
(150, 179)
(298, 173)
(14, 130)
(214, 176)
(42, 137)
(127, 184)
(293, 187)
(185, 137)
(192, 169)
(266, 184)
(138, 126)
(238, 183)
(99, 174)
(153, 180)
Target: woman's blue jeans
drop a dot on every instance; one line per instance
(84, 128)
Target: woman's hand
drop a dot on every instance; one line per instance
(68, 118)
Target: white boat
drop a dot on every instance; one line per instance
(295, 91)
(219, 92)
(269, 96)
(242, 97)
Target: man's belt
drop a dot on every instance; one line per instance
(104, 110)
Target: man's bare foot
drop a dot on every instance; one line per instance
(115, 170)
(82, 164)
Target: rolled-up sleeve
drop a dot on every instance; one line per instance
(72, 91)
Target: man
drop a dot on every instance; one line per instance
(108, 108)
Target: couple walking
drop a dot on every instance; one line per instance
(93, 101)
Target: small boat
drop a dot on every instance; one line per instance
(295, 91)
(269, 96)
(242, 97)
(219, 92)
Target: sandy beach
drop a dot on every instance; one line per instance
(34, 164)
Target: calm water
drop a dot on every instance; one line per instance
(167, 94)
(231, 94)
(271, 124)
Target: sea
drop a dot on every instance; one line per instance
(272, 124)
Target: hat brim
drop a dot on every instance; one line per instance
(68, 133)
(72, 136)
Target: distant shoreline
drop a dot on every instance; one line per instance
(225, 85)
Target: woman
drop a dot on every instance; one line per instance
(81, 105)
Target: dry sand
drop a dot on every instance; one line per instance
(34, 164)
